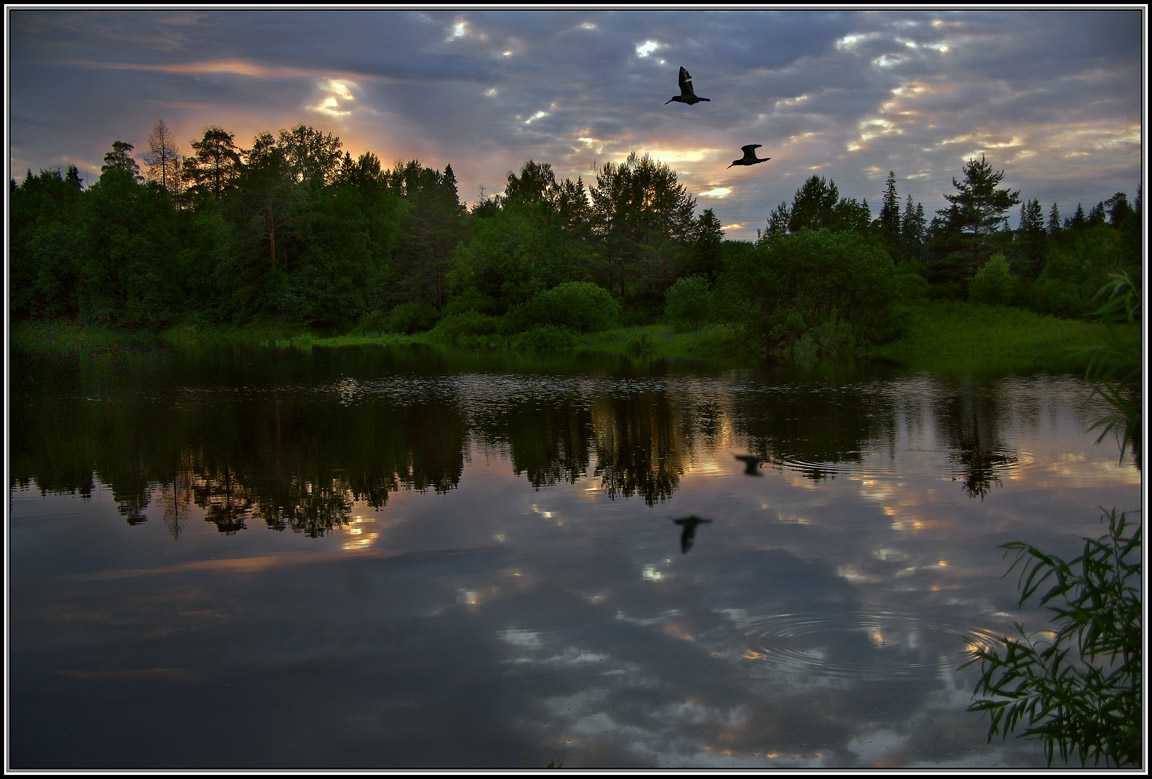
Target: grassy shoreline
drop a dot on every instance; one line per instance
(945, 336)
(939, 336)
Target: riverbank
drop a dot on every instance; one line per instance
(955, 337)
(940, 336)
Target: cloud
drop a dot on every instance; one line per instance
(841, 92)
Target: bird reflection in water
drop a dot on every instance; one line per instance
(688, 534)
(751, 464)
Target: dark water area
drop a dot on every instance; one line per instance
(369, 558)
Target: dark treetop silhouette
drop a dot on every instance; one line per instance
(749, 157)
(687, 94)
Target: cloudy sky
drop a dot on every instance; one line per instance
(1051, 97)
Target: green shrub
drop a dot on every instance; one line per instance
(687, 303)
(993, 283)
(909, 286)
(372, 322)
(415, 316)
(579, 306)
(468, 328)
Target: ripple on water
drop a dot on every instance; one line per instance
(909, 464)
(878, 647)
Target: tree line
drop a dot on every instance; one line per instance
(295, 230)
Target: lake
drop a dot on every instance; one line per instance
(402, 558)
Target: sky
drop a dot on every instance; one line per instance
(1051, 97)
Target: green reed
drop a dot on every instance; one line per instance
(1077, 686)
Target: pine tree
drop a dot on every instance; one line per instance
(1054, 227)
(1029, 240)
(1077, 220)
(912, 232)
(889, 220)
(120, 158)
(1118, 209)
(977, 212)
(215, 164)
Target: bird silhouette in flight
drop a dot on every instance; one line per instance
(688, 535)
(687, 94)
(749, 157)
(751, 464)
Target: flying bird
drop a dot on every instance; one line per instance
(687, 94)
(689, 532)
(749, 157)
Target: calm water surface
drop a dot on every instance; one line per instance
(363, 558)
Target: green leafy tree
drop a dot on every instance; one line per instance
(536, 185)
(43, 243)
(688, 302)
(642, 218)
(1118, 210)
(1077, 265)
(336, 269)
(431, 224)
(816, 291)
(705, 256)
(817, 205)
(504, 263)
(312, 156)
(129, 245)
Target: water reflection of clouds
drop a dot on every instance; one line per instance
(795, 634)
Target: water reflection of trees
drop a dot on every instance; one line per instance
(810, 425)
(970, 417)
(245, 448)
(639, 446)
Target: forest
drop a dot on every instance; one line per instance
(294, 230)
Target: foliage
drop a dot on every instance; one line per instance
(469, 328)
(580, 306)
(642, 217)
(1115, 370)
(687, 303)
(817, 205)
(1077, 689)
(293, 231)
(972, 228)
(908, 285)
(993, 283)
(411, 317)
(833, 287)
(543, 338)
(1078, 264)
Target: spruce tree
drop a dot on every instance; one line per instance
(977, 213)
